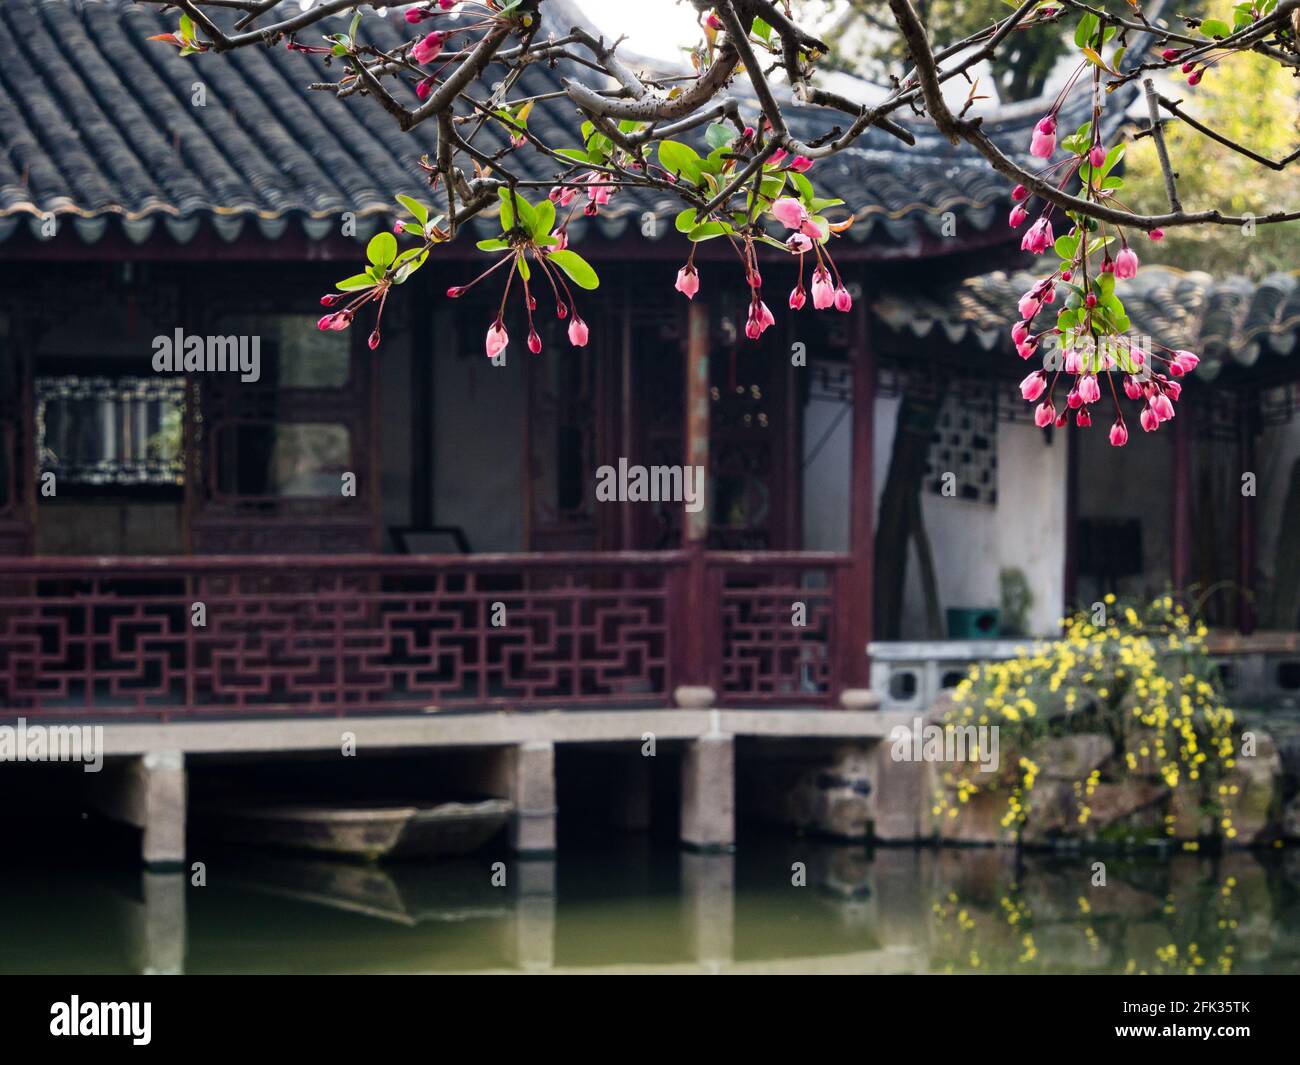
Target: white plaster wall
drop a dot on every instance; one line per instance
(971, 542)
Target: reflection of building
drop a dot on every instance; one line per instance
(234, 216)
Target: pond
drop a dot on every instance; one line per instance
(774, 906)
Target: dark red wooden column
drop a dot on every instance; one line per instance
(1246, 424)
(698, 612)
(854, 594)
(1180, 533)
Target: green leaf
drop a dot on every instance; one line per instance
(718, 135)
(1084, 31)
(408, 262)
(492, 244)
(685, 220)
(525, 271)
(708, 231)
(416, 208)
(576, 154)
(578, 269)
(382, 249)
(761, 29)
(543, 219)
(1215, 27)
(680, 159)
(802, 185)
(356, 281)
(1066, 246)
(187, 28)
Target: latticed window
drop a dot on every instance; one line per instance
(104, 431)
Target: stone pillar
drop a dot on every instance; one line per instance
(532, 929)
(532, 790)
(709, 793)
(156, 927)
(899, 797)
(709, 901)
(149, 793)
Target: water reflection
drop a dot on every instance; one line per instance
(792, 906)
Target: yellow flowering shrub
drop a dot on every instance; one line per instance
(1139, 675)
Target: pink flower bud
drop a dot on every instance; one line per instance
(1033, 386)
(1019, 193)
(1148, 420)
(497, 339)
(797, 298)
(843, 301)
(578, 332)
(688, 281)
(1126, 264)
(534, 342)
(1097, 157)
(1017, 217)
(801, 163)
(1083, 419)
(1044, 414)
(373, 340)
(427, 48)
(455, 292)
(1156, 234)
(1118, 434)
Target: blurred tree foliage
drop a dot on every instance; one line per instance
(1252, 101)
(868, 43)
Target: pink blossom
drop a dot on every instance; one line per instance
(843, 300)
(801, 163)
(1019, 193)
(427, 48)
(778, 157)
(1118, 434)
(497, 339)
(1073, 361)
(688, 281)
(372, 341)
(1033, 386)
(1043, 142)
(1030, 304)
(563, 194)
(1126, 264)
(1038, 237)
(597, 192)
(1019, 333)
(1185, 362)
(823, 290)
(798, 243)
(1097, 157)
(790, 212)
(760, 318)
(578, 332)
(417, 14)
(1148, 420)
(797, 298)
(1161, 406)
(534, 342)
(1083, 419)
(1173, 390)
(1044, 414)
(1157, 235)
(1073, 400)
(1017, 217)
(1089, 389)
(1131, 388)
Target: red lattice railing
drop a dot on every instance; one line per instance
(334, 635)
(777, 626)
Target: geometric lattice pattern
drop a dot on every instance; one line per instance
(336, 636)
(373, 634)
(766, 656)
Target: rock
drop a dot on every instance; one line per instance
(1052, 812)
(1257, 779)
(1112, 803)
(1291, 819)
(978, 820)
(1072, 757)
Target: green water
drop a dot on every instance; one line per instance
(633, 907)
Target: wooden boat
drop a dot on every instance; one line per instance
(372, 831)
(404, 893)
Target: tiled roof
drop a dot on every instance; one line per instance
(1230, 320)
(97, 123)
